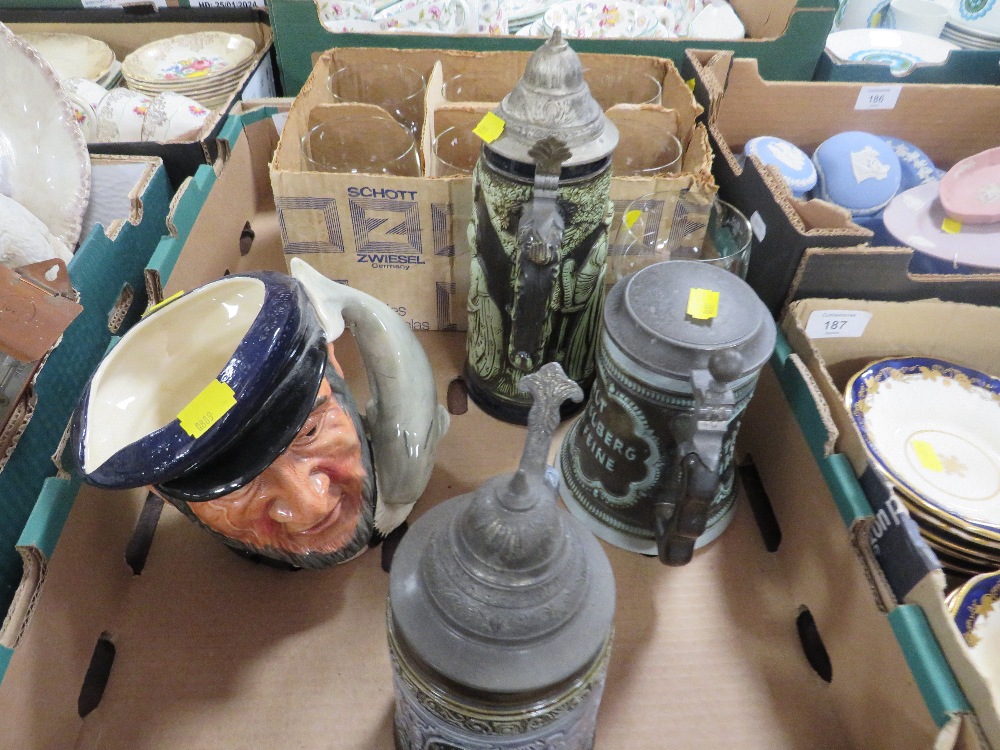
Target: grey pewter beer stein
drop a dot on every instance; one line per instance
(500, 609)
(649, 465)
(539, 234)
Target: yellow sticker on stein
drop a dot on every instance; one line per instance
(926, 455)
(951, 226)
(690, 83)
(489, 128)
(206, 408)
(703, 304)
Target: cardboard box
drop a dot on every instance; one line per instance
(907, 571)
(786, 36)
(126, 216)
(193, 647)
(402, 238)
(127, 29)
(741, 105)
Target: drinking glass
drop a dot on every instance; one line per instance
(613, 88)
(480, 86)
(456, 150)
(361, 143)
(642, 157)
(664, 226)
(398, 89)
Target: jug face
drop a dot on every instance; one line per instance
(314, 505)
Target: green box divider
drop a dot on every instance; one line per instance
(930, 669)
(49, 515)
(5, 657)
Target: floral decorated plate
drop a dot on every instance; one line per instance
(916, 218)
(44, 164)
(934, 428)
(599, 20)
(185, 57)
(72, 55)
(970, 190)
(973, 600)
(900, 50)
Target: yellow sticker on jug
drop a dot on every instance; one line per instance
(632, 217)
(163, 303)
(206, 408)
(951, 226)
(926, 455)
(703, 304)
(489, 128)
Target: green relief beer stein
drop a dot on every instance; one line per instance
(539, 234)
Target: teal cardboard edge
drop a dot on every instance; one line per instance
(99, 270)
(836, 469)
(791, 56)
(5, 657)
(49, 515)
(930, 669)
(963, 66)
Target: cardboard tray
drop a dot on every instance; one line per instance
(403, 238)
(741, 105)
(129, 199)
(127, 29)
(908, 571)
(787, 36)
(180, 644)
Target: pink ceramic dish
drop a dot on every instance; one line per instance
(970, 191)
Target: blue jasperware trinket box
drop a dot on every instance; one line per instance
(858, 171)
(917, 167)
(793, 163)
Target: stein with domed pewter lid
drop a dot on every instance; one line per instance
(649, 464)
(539, 232)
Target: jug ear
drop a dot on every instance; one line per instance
(404, 420)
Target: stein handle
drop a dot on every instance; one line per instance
(680, 518)
(679, 524)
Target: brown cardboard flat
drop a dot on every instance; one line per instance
(213, 651)
(945, 330)
(741, 105)
(403, 237)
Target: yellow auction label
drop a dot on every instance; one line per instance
(489, 128)
(926, 455)
(632, 217)
(703, 304)
(951, 226)
(206, 408)
(690, 83)
(163, 303)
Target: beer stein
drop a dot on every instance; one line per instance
(539, 234)
(500, 610)
(649, 466)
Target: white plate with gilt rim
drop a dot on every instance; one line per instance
(200, 56)
(72, 55)
(933, 428)
(44, 164)
(900, 50)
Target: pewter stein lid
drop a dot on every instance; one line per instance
(645, 315)
(499, 590)
(553, 100)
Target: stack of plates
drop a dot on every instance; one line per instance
(968, 37)
(77, 56)
(523, 13)
(207, 66)
(933, 429)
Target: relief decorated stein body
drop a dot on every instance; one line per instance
(500, 610)
(539, 234)
(649, 464)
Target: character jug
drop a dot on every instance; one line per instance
(500, 610)
(539, 234)
(649, 464)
